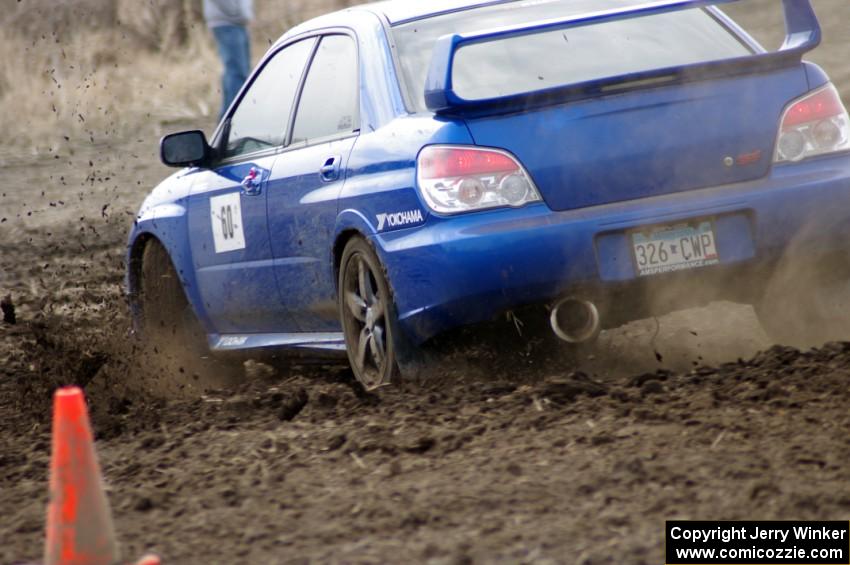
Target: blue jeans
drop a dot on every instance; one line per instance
(234, 48)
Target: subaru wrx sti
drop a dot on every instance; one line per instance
(399, 169)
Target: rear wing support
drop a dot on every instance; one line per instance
(803, 33)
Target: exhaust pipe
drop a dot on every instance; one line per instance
(575, 321)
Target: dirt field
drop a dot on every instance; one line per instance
(513, 458)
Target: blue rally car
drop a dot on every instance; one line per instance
(399, 169)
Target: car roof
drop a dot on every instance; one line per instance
(395, 11)
(400, 11)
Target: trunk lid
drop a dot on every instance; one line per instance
(647, 142)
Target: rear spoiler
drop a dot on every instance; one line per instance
(803, 34)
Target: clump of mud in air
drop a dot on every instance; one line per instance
(8, 309)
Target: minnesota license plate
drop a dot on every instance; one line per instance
(674, 248)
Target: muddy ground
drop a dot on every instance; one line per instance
(509, 458)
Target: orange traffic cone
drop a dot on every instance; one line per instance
(79, 524)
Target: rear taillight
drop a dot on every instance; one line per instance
(461, 179)
(813, 125)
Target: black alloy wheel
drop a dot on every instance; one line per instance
(367, 315)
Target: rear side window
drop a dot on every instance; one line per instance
(329, 102)
(261, 119)
(554, 58)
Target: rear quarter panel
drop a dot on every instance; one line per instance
(382, 174)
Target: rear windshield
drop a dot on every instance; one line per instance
(554, 58)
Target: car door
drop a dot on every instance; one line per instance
(307, 179)
(228, 227)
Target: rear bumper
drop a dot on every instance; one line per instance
(466, 269)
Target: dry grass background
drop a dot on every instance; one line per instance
(97, 70)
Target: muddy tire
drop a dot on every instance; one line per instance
(367, 314)
(175, 352)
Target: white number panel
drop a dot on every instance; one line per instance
(226, 218)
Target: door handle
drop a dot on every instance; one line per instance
(252, 183)
(330, 170)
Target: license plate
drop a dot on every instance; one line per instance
(674, 248)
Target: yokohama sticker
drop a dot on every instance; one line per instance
(226, 221)
(399, 219)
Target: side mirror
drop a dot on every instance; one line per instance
(185, 149)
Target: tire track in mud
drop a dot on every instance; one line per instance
(518, 468)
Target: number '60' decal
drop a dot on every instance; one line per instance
(226, 222)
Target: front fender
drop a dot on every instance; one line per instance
(165, 220)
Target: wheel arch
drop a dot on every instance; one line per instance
(181, 261)
(350, 223)
(344, 236)
(340, 242)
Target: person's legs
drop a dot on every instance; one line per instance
(246, 54)
(234, 50)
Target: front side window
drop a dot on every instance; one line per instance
(329, 104)
(538, 61)
(261, 119)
